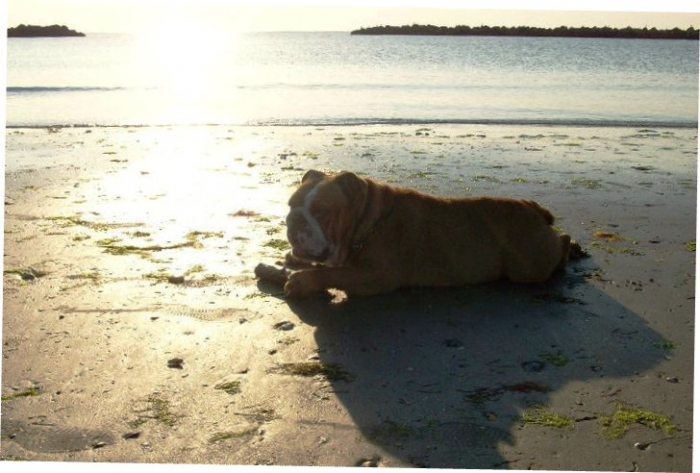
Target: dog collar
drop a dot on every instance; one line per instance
(360, 244)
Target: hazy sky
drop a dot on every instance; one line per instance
(339, 15)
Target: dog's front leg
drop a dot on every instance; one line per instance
(354, 281)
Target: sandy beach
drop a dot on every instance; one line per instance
(134, 329)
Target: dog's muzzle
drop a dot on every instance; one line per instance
(306, 236)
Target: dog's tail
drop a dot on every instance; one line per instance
(576, 251)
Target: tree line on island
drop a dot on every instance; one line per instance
(33, 31)
(559, 32)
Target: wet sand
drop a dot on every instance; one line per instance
(134, 329)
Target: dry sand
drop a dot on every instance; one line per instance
(134, 329)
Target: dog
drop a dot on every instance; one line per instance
(364, 238)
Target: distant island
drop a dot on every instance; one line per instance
(32, 31)
(559, 32)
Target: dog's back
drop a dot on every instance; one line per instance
(458, 241)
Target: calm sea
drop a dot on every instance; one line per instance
(336, 78)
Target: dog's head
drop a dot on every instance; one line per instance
(324, 212)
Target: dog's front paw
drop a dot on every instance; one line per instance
(300, 284)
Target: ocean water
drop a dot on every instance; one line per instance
(336, 78)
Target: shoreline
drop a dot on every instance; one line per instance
(120, 364)
(637, 123)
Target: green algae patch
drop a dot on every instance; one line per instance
(29, 392)
(75, 221)
(626, 250)
(591, 184)
(161, 411)
(115, 249)
(230, 387)
(108, 241)
(690, 245)
(196, 235)
(158, 409)
(113, 246)
(161, 275)
(197, 268)
(330, 371)
(666, 345)
(221, 436)
(278, 244)
(556, 359)
(617, 424)
(546, 418)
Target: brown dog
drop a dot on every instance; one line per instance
(369, 238)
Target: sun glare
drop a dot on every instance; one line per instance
(183, 58)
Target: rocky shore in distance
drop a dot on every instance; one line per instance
(33, 31)
(524, 31)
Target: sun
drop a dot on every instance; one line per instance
(183, 59)
(183, 53)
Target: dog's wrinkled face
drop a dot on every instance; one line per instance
(317, 223)
(304, 232)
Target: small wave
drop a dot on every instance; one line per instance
(47, 89)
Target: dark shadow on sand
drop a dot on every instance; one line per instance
(439, 376)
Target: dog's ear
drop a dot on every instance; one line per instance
(350, 183)
(312, 175)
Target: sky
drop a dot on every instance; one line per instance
(134, 16)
